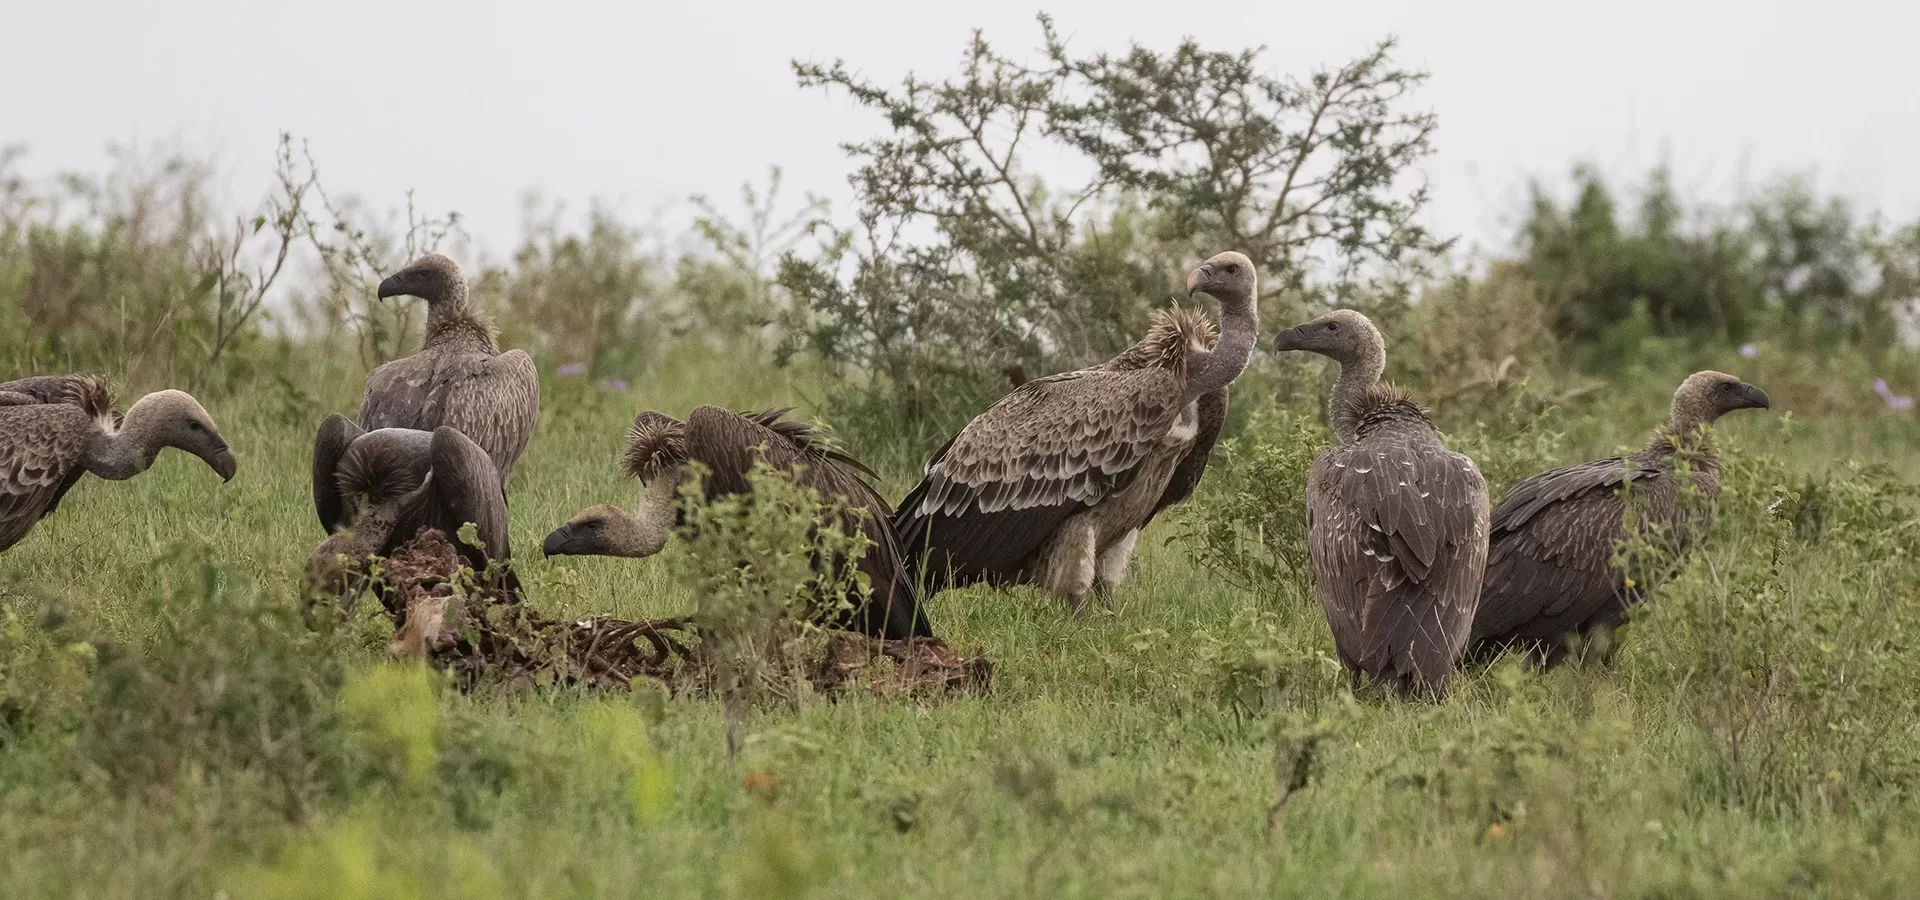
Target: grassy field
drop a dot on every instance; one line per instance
(167, 727)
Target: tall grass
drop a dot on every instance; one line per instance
(170, 729)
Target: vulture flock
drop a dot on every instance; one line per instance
(1417, 571)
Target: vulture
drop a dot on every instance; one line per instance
(53, 429)
(459, 378)
(728, 444)
(374, 490)
(1052, 484)
(1396, 522)
(1550, 569)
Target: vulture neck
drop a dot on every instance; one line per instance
(1357, 378)
(117, 456)
(122, 453)
(654, 519)
(1688, 426)
(1239, 330)
(453, 322)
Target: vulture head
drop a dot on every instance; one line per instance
(433, 278)
(1343, 335)
(656, 448)
(1227, 277)
(1706, 396)
(174, 419)
(604, 530)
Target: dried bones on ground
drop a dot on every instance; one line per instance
(488, 636)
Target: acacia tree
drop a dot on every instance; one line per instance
(963, 262)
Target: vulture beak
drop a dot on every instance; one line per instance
(1755, 398)
(222, 461)
(563, 542)
(1287, 340)
(393, 286)
(1197, 277)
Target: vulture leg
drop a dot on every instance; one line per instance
(336, 434)
(1115, 559)
(468, 488)
(1069, 563)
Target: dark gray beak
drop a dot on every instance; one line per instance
(1288, 339)
(563, 542)
(394, 285)
(222, 461)
(1753, 397)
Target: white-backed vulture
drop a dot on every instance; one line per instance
(53, 429)
(1396, 522)
(1054, 482)
(728, 444)
(374, 490)
(459, 379)
(1550, 564)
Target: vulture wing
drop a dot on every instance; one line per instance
(1053, 447)
(1186, 477)
(85, 391)
(1397, 530)
(495, 400)
(42, 453)
(397, 392)
(465, 488)
(336, 434)
(1550, 562)
(728, 444)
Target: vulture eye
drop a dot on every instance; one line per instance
(195, 426)
(1233, 269)
(1333, 326)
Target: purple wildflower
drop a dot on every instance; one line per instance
(571, 369)
(614, 384)
(1880, 387)
(1749, 350)
(1899, 402)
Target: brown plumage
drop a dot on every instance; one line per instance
(1396, 522)
(1550, 569)
(375, 490)
(728, 444)
(1053, 483)
(53, 429)
(89, 392)
(459, 379)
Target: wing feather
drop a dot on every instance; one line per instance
(330, 443)
(1052, 447)
(1397, 530)
(728, 444)
(1186, 477)
(466, 488)
(495, 400)
(42, 454)
(1550, 568)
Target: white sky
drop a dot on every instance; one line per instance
(643, 103)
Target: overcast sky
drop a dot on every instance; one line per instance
(643, 103)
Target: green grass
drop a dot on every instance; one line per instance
(174, 732)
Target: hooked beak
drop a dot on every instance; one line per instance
(1754, 397)
(1289, 339)
(222, 461)
(563, 542)
(1197, 277)
(392, 286)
